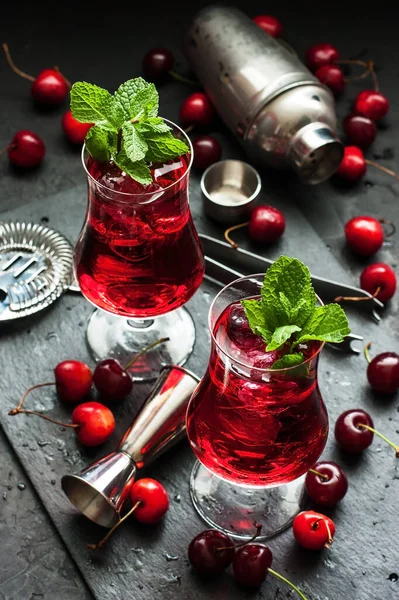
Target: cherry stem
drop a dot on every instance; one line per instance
(358, 298)
(181, 78)
(288, 582)
(16, 411)
(369, 70)
(144, 350)
(102, 542)
(189, 128)
(367, 353)
(56, 68)
(11, 63)
(381, 168)
(255, 535)
(230, 229)
(330, 538)
(391, 224)
(394, 446)
(321, 475)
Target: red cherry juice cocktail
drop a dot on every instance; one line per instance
(250, 424)
(139, 254)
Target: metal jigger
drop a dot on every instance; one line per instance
(100, 490)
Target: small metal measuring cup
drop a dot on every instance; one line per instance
(100, 490)
(230, 189)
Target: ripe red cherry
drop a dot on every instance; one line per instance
(364, 235)
(371, 104)
(267, 224)
(207, 151)
(321, 54)
(270, 24)
(153, 500)
(74, 130)
(313, 530)
(328, 488)
(96, 423)
(26, 149)
(251, 563)
(353, 165)
(211, 552)
(379, 275)
(73, 380)
(196, 110)
(157, 63)
(360, 130)
(383, 373)
(333, 77)
(50, 87)
(112, 380)
(348, 433)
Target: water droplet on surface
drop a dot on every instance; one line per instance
(393, 577)
(53, 482)
(51, 335)
(177, 497)
(42, 444)
(5, 496)
(21, 486)
(170, 557)
(9, 487)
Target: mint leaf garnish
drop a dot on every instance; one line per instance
(88, 102)
(288, 360)
(288, 296)
(281, 335)
(287, 313)
(134, 143)
(256, 318)
(126, 128)
(138, 99)
(138, 170)
(152, 125)
(98, 142)
(326, 324)
(163, 147)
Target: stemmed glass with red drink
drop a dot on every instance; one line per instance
(255, 430)
(139, 260)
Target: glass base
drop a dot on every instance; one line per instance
(235, 509)
(110, 336)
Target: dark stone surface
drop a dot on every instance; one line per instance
(134, 565)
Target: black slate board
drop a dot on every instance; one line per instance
(134, 565)
(103, 43)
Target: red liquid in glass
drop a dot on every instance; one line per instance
(251, 427)
(139, 256)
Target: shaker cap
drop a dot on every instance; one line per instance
(315, 153)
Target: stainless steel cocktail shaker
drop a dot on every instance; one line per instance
(281, 113)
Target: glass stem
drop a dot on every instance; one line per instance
(140, 323)
(278, 576)
(144, 350)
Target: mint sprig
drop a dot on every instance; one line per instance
(126, 127)
(287, 314)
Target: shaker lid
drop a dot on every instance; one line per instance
(315, 153)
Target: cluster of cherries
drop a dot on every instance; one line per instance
(93, 422)
(49, 89)
(365, 235)
(369, 107)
